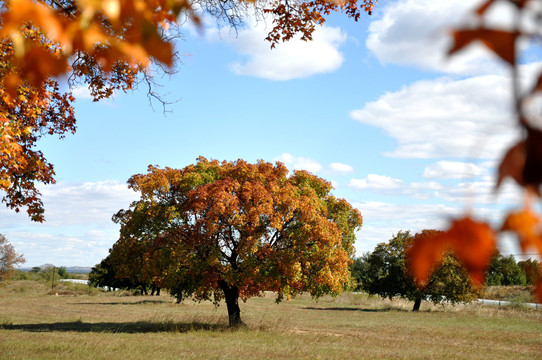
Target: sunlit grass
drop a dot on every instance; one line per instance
(34, 325)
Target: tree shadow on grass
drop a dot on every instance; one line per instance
(142, 302)
(112, 327)
(353, 309)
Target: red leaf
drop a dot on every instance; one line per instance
(532, 171)
(513, 164)
(525, 224)
(502, 43)
(472, 242)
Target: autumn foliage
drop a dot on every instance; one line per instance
(230, 230)
(473, 241)
(107, 45)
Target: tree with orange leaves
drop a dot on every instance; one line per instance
(8, 260)
(232, 230)
(474, 241)
(107, 45)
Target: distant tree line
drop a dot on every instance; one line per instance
(37, 273)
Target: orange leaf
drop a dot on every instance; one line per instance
(425, 253)
(525, 224)
(502, 43)
(472, 242)
(513, 164)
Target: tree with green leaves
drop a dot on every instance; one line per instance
(504, 270)
(231, 230)
(387, 275)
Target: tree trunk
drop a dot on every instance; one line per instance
(417, 304)
(155, 290)
(231, 294)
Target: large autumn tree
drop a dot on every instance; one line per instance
(107, 45)
(231, 230)
(386, 274)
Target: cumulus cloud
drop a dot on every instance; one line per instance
(299, 163)
(340, 168)
(376, 182)
(417, 33)
(452, 170)
(480, 190)
(445, 118)
(84, 203)
(75, 249)
(381, 221)
(81, 92)
(294, 59)
(304, 163)
(78, 229)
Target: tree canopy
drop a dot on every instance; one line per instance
(107, 45)
(229, 230)
(387, 274)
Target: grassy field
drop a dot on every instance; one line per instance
(38, 325)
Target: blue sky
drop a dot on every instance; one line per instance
(406, 135)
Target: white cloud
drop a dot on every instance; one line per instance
(75, 249)
(445, 118)
(417, 33)
(376, 182)
(294, 59)
(84, 203)
(452, 170)
(77, 230)
(81, 92)
(381, 221)
(340, 168)
(299, 163)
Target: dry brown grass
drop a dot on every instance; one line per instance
(509, 293)
(34, 325)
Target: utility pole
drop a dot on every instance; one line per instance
(53, 282)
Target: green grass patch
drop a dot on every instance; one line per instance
(34, 325)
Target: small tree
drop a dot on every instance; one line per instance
(8, 260)
(62, 272)
(232, 230)
(386, 275)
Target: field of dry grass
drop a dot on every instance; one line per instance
(35, 325)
